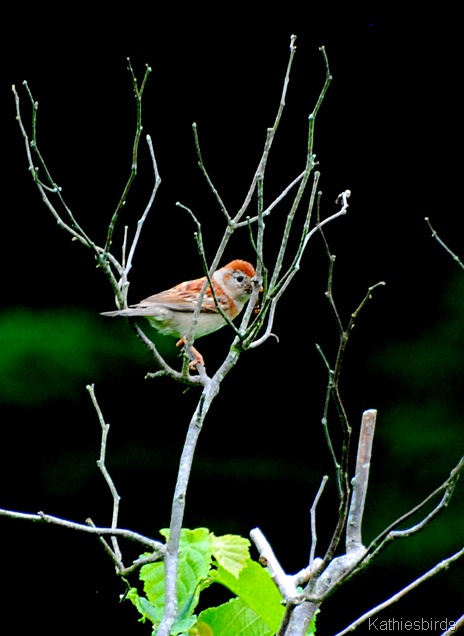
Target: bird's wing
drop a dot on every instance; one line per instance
(182, 297)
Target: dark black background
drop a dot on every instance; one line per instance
(390, 130)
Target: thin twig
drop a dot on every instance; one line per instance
(313, 519)
(165, 369)
(103, 469)
(90, 529)
(106, 261)
(31, 145)
(390, 533)
(208, 271)
(325, 423)
(138, 92)
(148, 207)
(259, 171)
(268, 333)
(310, 163)
(333, 391)
(53, 188)
(202, 167)
(137, 564)
(271, 206)
(399, 595)
(312, 117)
(454, 256)
(269, 136)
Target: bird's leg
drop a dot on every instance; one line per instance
(194, 354)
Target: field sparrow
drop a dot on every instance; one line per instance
(171, 312)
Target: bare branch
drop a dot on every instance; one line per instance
(178, 507)
(202, 167)
(297, 619)
(399, 595)
(455, 626)
(165, 369)
(313, 519)
(454, 256)
(91, 529)
(106, 260)
(283, 582)
(310, 163)
(328, 80)
(75, 230)
(360, 482)
(142, 219)
(116, 558)
(210, 390)
(390, 533)
(270, 207)
(137, 564)
(102, 466)
(283, 287)
(138, 92)
(269, 136)
(340, 459)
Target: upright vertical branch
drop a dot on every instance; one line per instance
(101, 463)
(270, 135)
(210, 390)
(202, 167)
(138, 92)
(360, 482)
(333, 394)
(274, 295)
(148, 207)
(310, 163)
(177, 516)
(312, 117)
(313, 519)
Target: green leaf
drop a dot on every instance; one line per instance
(312, 625)
(145, 608)
(256, 588)
(231, 552)
(257, 612)
(234, 618)
(193, 568)
(194, 553)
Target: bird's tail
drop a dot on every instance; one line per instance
(118, 312)
(130, 312)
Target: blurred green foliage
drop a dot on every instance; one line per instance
(420, 432)
(52, 354)
(426, 374)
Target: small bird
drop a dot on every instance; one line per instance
(171, 311)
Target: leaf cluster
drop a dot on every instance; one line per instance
(205, 559)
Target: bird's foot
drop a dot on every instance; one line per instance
(194, 354)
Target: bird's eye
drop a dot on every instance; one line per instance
(240, 278)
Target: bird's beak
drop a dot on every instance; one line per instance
(257, 280)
